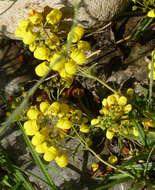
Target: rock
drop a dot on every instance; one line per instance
(92, 13)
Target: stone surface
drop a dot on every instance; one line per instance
(91, 12)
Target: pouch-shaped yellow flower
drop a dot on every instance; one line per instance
(29, 37)
(84, 128)
(83, 45)
(109, 134)
(62, 160)
(135, 132)
(122, 101)
(112, 159)
(78, 56)
(42, 148)
(38, 138)
(32, 46)
(64, 124)
(42, 69)
(57, 62)
(77, 34)
(33, 113)
(50, 154)
(71, 67)
(31, 127)
(54, 16)
(151, 13)
(42, 52)
(44, 106)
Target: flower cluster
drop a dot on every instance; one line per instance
(48, 125)
(49, 45)
(114, 114)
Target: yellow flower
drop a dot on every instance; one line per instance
(42, 69)
(64, 108)
(32, 46)
(77, 34)
(31, 127)
(95, 121)
(36, 18)
(44, 106)
(25, 24)
(83, 45)
(19, 32)
(64, 124)
(109, 134)
(151, 13)
(78, 56)
(104, 102)
(95, 166)
(148, 123)
(57, 62)
(54, 108)
(41, 52)
(66, 76)
(37, 139)
(112, 159)
(111, 100)
(71, 67)
(50, 154)
(127, 108)
(54, 16)
(84, 128)
(41, 148)
(130, 92)
(53, 42)
(62, 160)
(135, 132)
(29, 37)
(122, 101)
(23, 27)
(33, 113)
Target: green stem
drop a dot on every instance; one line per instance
(86, 74)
